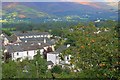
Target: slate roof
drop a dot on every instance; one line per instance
(61, 48)
(38, 40)
(25, 47)
(8, 37)
(33, 39)
(53, 53)
(13, 38)
(50, 63)
(29, 33)
(31, 44)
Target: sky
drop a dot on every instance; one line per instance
(114, 3)
(60, 0)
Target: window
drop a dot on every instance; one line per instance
(45, 35)
(21, 37)
(67, 58)
(27, 53)
(26, 36)
(17, 54)
(35, 36)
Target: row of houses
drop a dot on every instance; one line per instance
(22, 45)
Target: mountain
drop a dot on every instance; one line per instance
(62, 10)
(18, 12)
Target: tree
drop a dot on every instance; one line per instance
(9, 70)
(56, 69)
(94, 54)
(41, 65)
(7, 32)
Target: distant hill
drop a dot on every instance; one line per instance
(63, 10)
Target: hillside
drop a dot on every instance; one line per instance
(58, 11)
(18, 12)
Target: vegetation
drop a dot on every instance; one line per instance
(26, 69)
(56, 69)
(94, 55)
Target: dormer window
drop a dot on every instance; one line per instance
(45, 35)
(26, 36)
(25, 41)
(35, 36)
(21, 37)
(38, 36)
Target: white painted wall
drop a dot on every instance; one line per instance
(23, 55)
(41, 51)
(67, 59)
(6, 41)
(53, 58)
(31, 54)
(20, 55)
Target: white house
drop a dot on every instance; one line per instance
(25, 50)
(67, 59)
(54, 57)
(26, 44)
(32, 34)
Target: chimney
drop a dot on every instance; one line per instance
(44, 40)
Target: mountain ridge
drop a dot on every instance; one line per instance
(58, 9)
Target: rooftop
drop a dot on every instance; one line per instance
(61, 48)
(53, 53)
(50, 63)
(20, 47)
(28, 33)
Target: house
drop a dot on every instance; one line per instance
(25, 45)
(5, 38)
(25, 50)
(31, 34)
(54, 57)
(22, 45)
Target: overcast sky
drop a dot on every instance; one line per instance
(60, 0)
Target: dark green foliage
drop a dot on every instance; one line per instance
(9, 70)
(25, 69)
(108, 23)
(56, 69)
(7, 32)
(66, 70)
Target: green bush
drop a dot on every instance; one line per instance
(56, 69)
